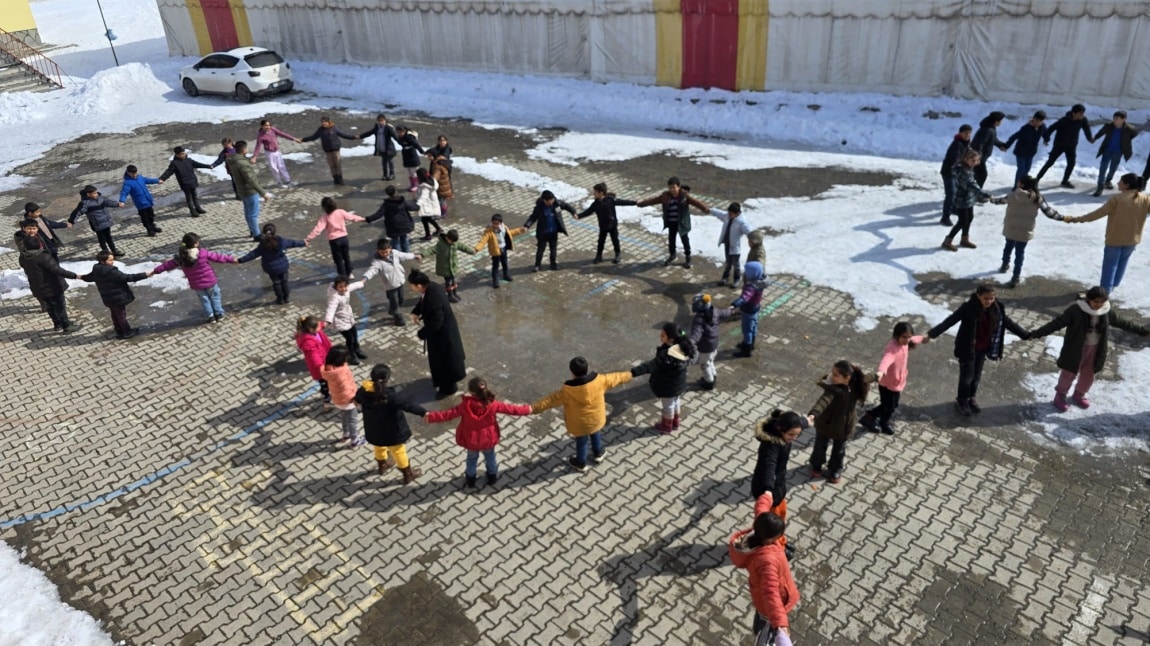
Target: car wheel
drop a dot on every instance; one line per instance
(190, 87)
(243, 93)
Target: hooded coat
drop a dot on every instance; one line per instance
(537, 216)
(1078, 319)
(384, 422)
(45, 275)
(340, 313)
(441, 173)
(836, 411)
(314, 347)
(967, 316)
(200, 275)
(113, 284)
(705, 328)
(770, 474)
(447, 256)
(445, 355)
(773, 590)
(668, 370)
(384, 139)
(754, 283)
(427, 198)
(478, 428)
(411, 149)
(967, 192)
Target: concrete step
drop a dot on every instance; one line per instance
(15, 78)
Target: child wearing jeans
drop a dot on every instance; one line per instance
(196, 265)
(892, 373)
(478, 429)
(748, 304)
(1022, 208)
(668, 372)
(584, 408)
(335, 220)
(115, 291)
(499, 242)
(273, 260)
(314, 344)
(835, 415)
(384, 423)
(341, 385)
(388, 265)
(773, 592)
(341, 315)
(447, 260)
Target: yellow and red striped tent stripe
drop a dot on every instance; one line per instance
(219, 24)
(711, 43)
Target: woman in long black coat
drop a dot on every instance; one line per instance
(440, 333)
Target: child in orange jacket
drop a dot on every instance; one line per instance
(773, 591)
(341, 384)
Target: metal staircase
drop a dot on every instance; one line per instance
(24, 68)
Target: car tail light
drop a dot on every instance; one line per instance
(253, 73)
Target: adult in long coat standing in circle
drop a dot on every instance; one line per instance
(440, 334)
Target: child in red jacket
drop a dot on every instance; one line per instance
(314, 344)
(478, 430)
(773, 590)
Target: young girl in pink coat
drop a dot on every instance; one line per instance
(892, 373)
(334, 220)
(196, 265)
(478, 429)
(314, 344)
(773, 592)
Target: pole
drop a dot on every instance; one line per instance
(108, 33)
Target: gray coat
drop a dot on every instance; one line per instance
(705, 328)
(1022, 213)
(96, 210)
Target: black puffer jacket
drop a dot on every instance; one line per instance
(668, 371)
(113, 284)
(771, 465)
(45, 275)
(185, 171)
(384, 424)
(396, 213)
(604, 209)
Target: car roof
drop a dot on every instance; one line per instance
(241, 52)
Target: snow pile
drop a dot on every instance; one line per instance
(32, 613)
(496, 172)
(116, 91)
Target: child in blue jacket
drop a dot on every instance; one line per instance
(136, 185)
(748, 303)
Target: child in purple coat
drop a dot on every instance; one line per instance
(196, 265)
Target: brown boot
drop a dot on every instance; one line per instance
(410, 474)
(948, 244)
(384, 465)
(967, 243)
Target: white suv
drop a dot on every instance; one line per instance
(244, 72)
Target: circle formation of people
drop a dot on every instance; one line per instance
(982, 320)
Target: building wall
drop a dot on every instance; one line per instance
(16, 18)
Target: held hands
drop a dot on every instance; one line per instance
(160, 182)
(69, 225)
(120, 205)
(810, 420)
(419, 256)
(149, 274)
(307, 243)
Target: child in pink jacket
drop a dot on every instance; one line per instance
(195, 263)
(314, 344)
(773, 592)
(892, 373)
(335, 220)
(478, 429)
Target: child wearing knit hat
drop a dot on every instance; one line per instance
(705, 335)
(748, 303)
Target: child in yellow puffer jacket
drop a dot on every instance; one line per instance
(584, 408)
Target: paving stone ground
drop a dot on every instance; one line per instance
(182, 487)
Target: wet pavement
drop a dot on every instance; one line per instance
(183, 488)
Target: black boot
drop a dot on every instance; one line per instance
(337, 180)
(687, 262)
(670, 259)
(742, 350)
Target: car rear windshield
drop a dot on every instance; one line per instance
(263, 59)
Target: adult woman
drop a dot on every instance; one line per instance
(967, 192)
(440, 333)
(1125, 215)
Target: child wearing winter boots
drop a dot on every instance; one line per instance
(676, 202)
(384, 423)
(478, 430)
(334, 220)
(410, 150)
(273, 260)
(447, 260)
(95, 208)
(705, 335)
(341, 316)
(584, 408)
(341, 385)
(196, 265)
(136, 185)
(1022, 207)
(735, 228)
(668, 372)
(748, 305)
(1083, 354)
(115, 291)
(388, 264)
(314, 344)
(427, 199)
(835, 416)
(548, 215)
(329, 136)
(603, 207)
(499, 242)
(398, 224)
(773, 592)
(892, 373)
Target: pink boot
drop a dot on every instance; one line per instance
(1060, 402)
(1080, 400)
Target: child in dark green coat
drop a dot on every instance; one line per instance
(447, 260)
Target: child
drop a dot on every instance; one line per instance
(329, 140)
(603, 207)
(447, 260)
(755, 250)
(45, 277)
(984, 142)
(1065, 132)
(341, 316)
(384, 424)
(268, 137)
(228, 149)
(835, 415)
(892, 373)
(705, 335)
(775, 435)
(547, 214)
(115, 291)
(410, 150)
(748, 304)
(185, 171)
(44, 228)
(136, 185)
(1084, 346)
(1027, 137)
(982, 328)
(427, 199)
(967, 192)
(314, 344)
(1117, 144)
(96, 208)
(341, 385)
(1022, 207)
(478, 429)
(384, 145)
(398, 224)
(441, 149)
(584, 408)
(773, 590)
(954, 152)
(387, 264)
(335, 220)
(668, 372)
(274, 261)
(499, 241)
(735, 228)
(441, 173)
(676, 202)
(197, 268)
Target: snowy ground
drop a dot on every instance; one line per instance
(874, 239)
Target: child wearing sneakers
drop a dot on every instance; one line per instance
(478, 429)
(115, 291)
(705, 335)
(668, 372)
(314, 344)
(388, 265)
(341, 385)
(447, 260)
(340, 315)
(196, 265)
(498, 240)
(274, 261)
(384, 423)
(835, 416)
(584, 408)
(735, 228)
(892, 376)
(748, 304)
(335, 220)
